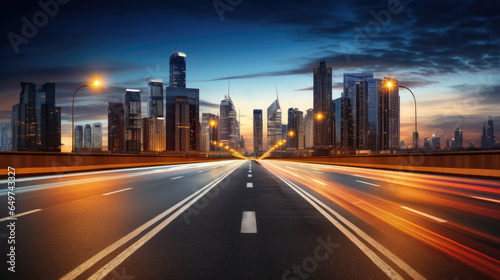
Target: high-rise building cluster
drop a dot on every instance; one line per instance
(36, 121)
(88, 139)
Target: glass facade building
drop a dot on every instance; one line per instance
(274, 124)
(132, 110)
(258, 145)
(322, 100)
(116, 127)
(155, 98)
(178, 70)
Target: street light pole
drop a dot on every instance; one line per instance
(416, 131)
(73, 120)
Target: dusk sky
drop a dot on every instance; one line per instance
(446, 51)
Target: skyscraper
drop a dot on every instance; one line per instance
(484, 137)
(182, 119)
(155, 95)
(177, 70)
(132, 110)
(322, 95)
(97, 137)
(116, 127)
(295, 129)
(459, 140)
(36, 121)
(209, 124)
(340, 132)
(78, 138)
(490, 133)
(153, 135)
(369, 113)
(309, 130)
(87, 138)
(229, 125)
(274, 129)
(258, 132)
(389, 115)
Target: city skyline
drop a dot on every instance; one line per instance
(282, 61)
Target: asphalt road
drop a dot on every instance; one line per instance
(252, 220)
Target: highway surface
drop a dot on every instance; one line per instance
(243, 219)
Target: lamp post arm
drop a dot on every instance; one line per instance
(415, 101)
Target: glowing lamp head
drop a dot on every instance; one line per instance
(389, 84)
(291, 133)
(319, 116)
(212, 123)
(96, 83)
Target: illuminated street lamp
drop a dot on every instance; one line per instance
(96, 84)
(390, 85)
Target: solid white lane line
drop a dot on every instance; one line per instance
(201, 171)
(371, 184)
(405, 267)
(117, 191)
(110, 266)
(249, 185)
(292, 167)
(389, 271)
(319, 182)
(178, 177)
(316, 171)
(424, 214)
(19, 215)
(250, 175)
(487, 199)
(248, 222)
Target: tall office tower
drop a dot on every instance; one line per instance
(356, 91)
(132, 110)
(309, 130)
(389, 114)
(228, 123)
(178, 70)
(402, 144)
(274, 129)
(116, 127)
(322, 94)
(87, 138)
(296, 129)
(36, 121)
(155, 95)
(153, 135)
(258, 140)
(97, 137)
(436, 143)
(284, 133)
(78, 138)
(209, 124)
(4, 139)
(459, 139)
(24, 119)
(182, 127)
(427, 143)
(490, 133)
(340, 133)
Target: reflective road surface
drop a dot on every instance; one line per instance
(240, 219)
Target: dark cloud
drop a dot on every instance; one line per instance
(204, 103)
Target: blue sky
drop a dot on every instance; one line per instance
(450, 60)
